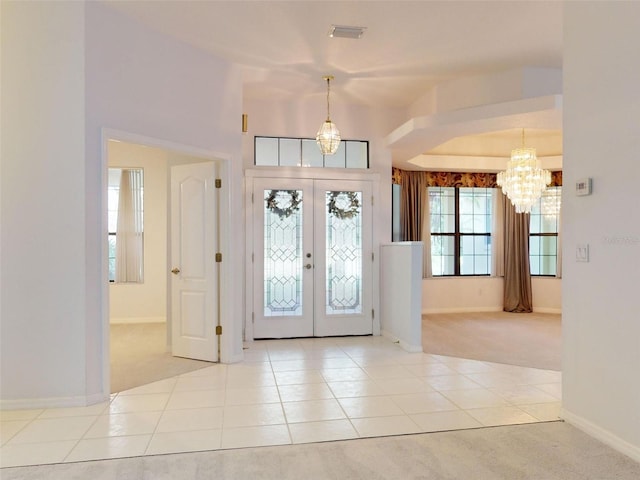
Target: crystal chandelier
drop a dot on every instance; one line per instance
(328, 137)
(523, 181)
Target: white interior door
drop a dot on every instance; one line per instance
(194, 288)
(312, 258)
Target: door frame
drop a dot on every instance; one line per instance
(306, 174)
(226, 307)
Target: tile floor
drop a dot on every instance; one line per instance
(287, 391)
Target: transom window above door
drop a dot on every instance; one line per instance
(304, 152)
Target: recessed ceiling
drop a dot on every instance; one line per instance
(548, 143)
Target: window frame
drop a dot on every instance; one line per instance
(545, 235)
(458, 235)
(346, 142)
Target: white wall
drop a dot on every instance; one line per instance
(146, 301)
(601, 327)
(302, 119)
(70, 70)
(484, 294)
(43, 257)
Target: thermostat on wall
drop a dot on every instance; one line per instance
(583, 186)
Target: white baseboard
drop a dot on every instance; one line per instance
(53, 402)
(426, 311)
(547, 310)
(121, 320)
(408, 347)
(599, 433)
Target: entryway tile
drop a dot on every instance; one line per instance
(53, 430)
(110, 447)
(383, 426)
(120, 424)
(177, 442)
(423, 402)
(255, 436)
(495, 416)
(312, 410)
(307, 391)
(361, 407)
(35, 453)
(190, 419)
(253, 415)
(330, 430)
(443, 421)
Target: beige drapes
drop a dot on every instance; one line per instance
(412, 204)
(517, 277)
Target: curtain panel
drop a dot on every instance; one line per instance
(518, 296)
(129, 228)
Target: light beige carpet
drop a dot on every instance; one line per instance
(542, 451)
(139, 356)
(524, 339)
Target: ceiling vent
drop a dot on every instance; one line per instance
(342, 31)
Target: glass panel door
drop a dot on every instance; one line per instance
(342, 220)
(312, 258)
(283, 302)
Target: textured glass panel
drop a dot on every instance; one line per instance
(466, 264)
(290, 152)
(311, 154)
(344, 253)
(266, 153)
(283, 253)
(337, 160)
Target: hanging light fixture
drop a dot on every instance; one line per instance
(328, 137)
(523, 181)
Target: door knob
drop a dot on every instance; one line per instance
(175, 271)
(307, 266)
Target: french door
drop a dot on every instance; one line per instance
(312, 258)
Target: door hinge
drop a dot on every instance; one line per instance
(373, 258)
(373, 313)
(252, 198)
(218, 183)
(218, 257)
(218, 329)
(252, 257)
(253, 317)
(371, 199)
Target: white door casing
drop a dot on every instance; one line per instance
(194, 242)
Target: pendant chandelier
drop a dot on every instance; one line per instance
(328, 137)
(523, 181)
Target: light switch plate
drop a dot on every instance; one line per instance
(583, 186)
(582, 252)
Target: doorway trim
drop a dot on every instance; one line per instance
(302, 174)
(225, 307)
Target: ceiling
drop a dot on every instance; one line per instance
(407, 47)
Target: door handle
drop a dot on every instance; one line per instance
(175, 271)
(307, 266)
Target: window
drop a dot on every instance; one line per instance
(131, 231)
(304, 152)
(543, 233)
(460, 230)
